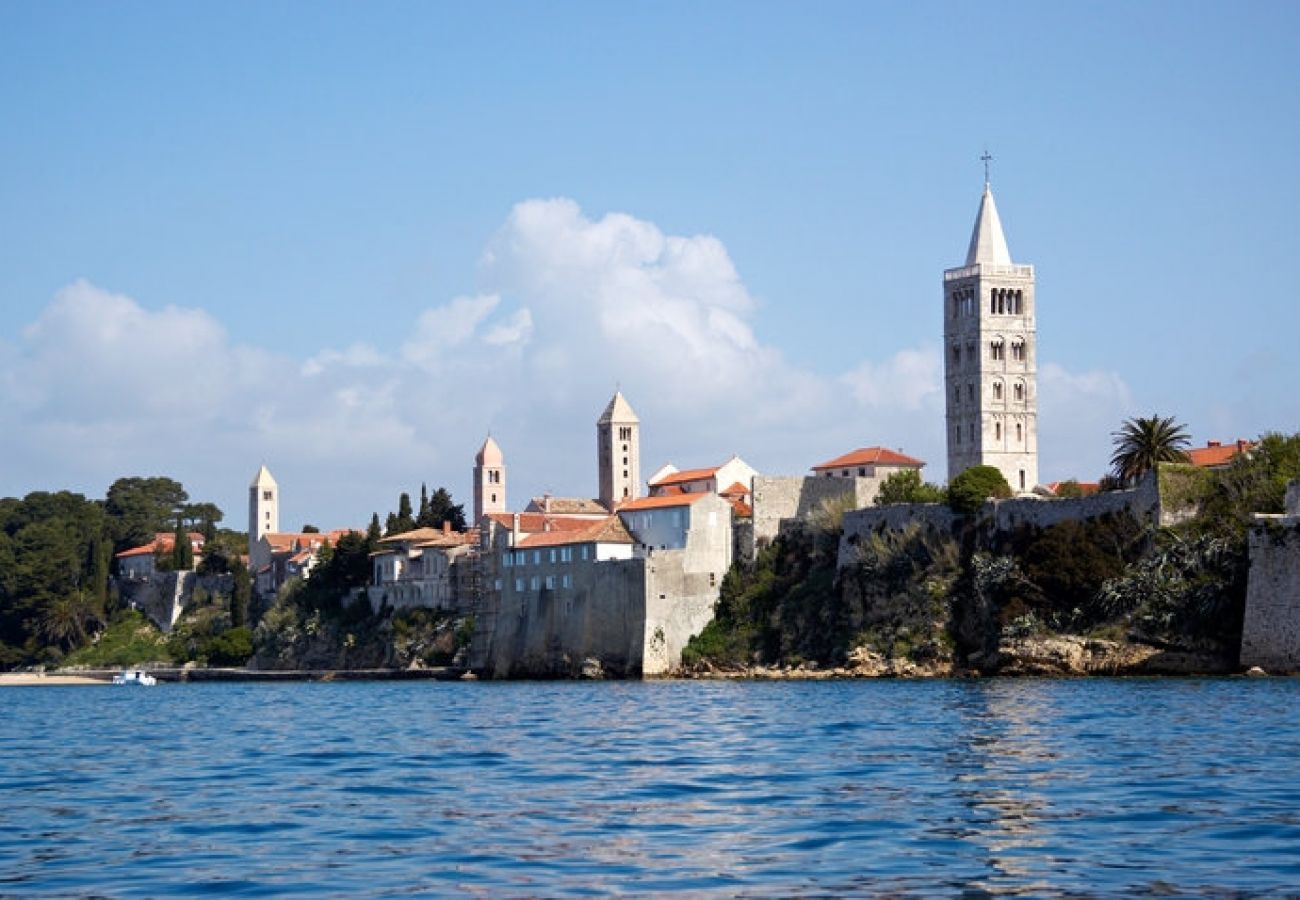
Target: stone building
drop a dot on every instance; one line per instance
(263, 511)
(990, 357)
(426, 567)
(734, 478)
(489, 480)
(618, 453)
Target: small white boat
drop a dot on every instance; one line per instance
(135, 676)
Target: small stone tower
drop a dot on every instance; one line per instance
(618, 452)
(489, 480)
(991, 357)
(263, 509)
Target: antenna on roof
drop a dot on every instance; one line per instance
(986, 159)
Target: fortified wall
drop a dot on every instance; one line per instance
(778, 498)
(1270, 631)
(163, 596)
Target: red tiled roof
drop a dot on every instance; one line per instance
(532, 523)
(686, 475)
(660, 502)
(742, 509)
(566, 506)
(869, 456)
(736, 490)
(1215, 454)
(163, 542)
(604, 531)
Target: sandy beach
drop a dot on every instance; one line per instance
(22, 679)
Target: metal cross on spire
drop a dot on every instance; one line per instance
(986, 158)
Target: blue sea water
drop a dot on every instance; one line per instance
(1033, 787)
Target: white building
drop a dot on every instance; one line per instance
(990, 357)
(425, 567)
(618, 453)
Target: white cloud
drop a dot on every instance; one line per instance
(569, 307)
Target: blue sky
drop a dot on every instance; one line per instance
(348, 239)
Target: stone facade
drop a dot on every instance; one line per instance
(489, 480)
(618, 453)
(1270, 631)
(990, 358)
(164, 596)
(550, 613)
(778, 498)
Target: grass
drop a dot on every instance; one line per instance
(129, 640)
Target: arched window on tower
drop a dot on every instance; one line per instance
(997, 390)
(1020, 309)
(1020, 391)
(1019, 433)
(997, 350)
(997, 431)
(1018, 351)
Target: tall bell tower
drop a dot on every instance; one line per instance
(263, 510)
(991, 356)
(618, 452)
(489, 480)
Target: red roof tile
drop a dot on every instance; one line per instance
(604, 531)
(686, 475)
(1215, 454)
(869, 456)
(661, 502)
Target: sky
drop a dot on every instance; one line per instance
(349, 240)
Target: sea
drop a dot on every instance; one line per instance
(970, 788)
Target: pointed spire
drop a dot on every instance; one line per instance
(987, 242)
(490, 453)
(619, 410)
(263, 478)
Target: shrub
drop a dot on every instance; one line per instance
(968, 491)
(906, 486)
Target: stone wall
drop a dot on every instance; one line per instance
(1270, 631)
(778, 498)
(550, 632)
(164, 595)
(860, 523)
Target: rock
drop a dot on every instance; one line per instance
(1256, 672)
(591, 669)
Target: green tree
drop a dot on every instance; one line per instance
(1069, 489)
(968, 491)
(240, 594)
(906, 486)
(182, 550)
(139, 508)
(443, 509)
(373, 534)
(1142, 443)
(66, 621)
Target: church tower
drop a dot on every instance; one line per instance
(263, 509)
(618, 452)
(489, 480)
(991, 357)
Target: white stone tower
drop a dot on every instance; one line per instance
(618, 452)
(489, 480)
(990, 357)
(263, 509)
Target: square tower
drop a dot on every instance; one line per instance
(618, 453)
(489, 480)
(263, 510)
(990, 354)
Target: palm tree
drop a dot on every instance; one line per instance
(1142, 443)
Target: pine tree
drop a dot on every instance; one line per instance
(373, 534)
(240, 594)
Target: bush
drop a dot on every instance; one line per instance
(906, 486)
(233, 648)
(968, 491)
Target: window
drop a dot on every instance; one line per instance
(1019, 432)
(550, 582)
(537, 557)
(1022, 479)
(997, 390)
(972, 431)
(1020, 391)
(956, 393)
(267, 495)
(496, 585)
(970, 391)
(533, 582)
(862, 473)
(997, 350)
(552, 554)
(845, 473)
(956, 353)
(505, 561)
(1018, 351)
(997, 431)
(566, 581)
(584, 551)
(519, 584)
(956, 435)
(494, 498)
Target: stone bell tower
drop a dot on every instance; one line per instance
(263, 511)
(618, 452)
(489, 480)
(991, 357)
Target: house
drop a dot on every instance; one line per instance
(427, 567)
(280, 556)
(627, 591)
(1216, 455)
(139, 563)
(874, 464)
(567, 506)
(733, 480)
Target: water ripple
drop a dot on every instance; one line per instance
(989, 788)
